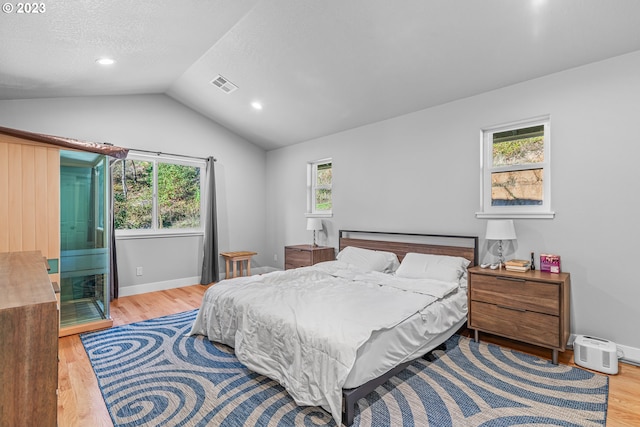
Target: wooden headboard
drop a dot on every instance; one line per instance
(403, 243)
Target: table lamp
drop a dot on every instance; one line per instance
(500, 229)
(314, 224)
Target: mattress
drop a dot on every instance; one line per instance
(410, 339)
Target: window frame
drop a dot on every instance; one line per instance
(154, 231)
(487, 168)
(312, 186)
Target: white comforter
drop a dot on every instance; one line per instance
(303, 327)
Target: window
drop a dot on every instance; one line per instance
(319, 184)
(156, 194)
(515, 170)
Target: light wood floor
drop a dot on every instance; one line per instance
(80, 401)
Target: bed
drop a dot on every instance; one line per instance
(331, 333)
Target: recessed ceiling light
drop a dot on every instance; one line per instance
(256, 105)
(105, 61)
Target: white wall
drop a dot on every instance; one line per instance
(414, 173)
(420, 173)
(156, 122)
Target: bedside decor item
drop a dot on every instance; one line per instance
(517, 265)
(533, 262)
(550, 263)
(500, 229)
(314, 224)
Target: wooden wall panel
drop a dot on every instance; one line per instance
(4, 191)
(29, 207)
(15, 197)
(53, 203)
(53, 208)
(41, 200)
(29, 197)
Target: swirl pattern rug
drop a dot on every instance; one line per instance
(151, 374)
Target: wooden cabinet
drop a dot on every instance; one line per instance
(29, 198)
(532, 307)
(305, 255)
(28, 342)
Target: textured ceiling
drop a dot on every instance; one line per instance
(318, 67)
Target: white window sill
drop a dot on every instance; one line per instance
(319, 215)
(515, 215)
(157, 234)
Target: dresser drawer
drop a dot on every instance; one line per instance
(294, 258)
(518, 294)
(540, 329)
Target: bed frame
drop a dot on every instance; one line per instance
(400, 244)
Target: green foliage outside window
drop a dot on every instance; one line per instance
(132, 182)
(178, 195)
(517, 148)
(519, 152)
(324, 179)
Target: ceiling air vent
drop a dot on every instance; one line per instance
(225, 85)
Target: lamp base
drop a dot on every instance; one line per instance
(500, 256)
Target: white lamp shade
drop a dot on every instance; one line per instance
(500, 229)
(314, 224)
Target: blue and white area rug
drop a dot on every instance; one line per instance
(151, 374)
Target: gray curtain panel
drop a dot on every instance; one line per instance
(113, 271)
(210, 267)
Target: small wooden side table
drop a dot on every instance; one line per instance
(305, 255)
(235, 258)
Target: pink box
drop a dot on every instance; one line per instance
(550, 263)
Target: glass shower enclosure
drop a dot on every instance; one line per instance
(84, 239)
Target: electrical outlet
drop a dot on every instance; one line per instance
(275, 257)
(138, 271)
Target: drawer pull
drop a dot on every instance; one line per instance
(511, 279)
(522, 310)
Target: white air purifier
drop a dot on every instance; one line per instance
(595, 353)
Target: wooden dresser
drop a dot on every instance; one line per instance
(28, 342)
(305, 255)
(531, 307)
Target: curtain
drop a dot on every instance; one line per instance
(210, 267)
(113, 261)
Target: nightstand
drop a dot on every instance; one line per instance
(305, 255)
(531, 307)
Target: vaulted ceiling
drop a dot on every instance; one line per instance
(316, 66)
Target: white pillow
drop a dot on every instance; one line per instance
(436, 267)
(369, 260)
(464, 283)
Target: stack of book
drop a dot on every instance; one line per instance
(517, 265)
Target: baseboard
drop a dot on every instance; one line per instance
(126, 291)
(631, 355)
(256, 271)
